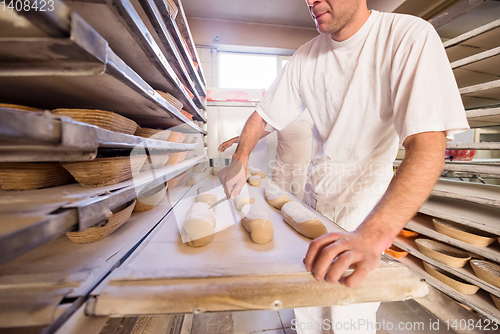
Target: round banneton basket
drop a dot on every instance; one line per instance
(103, 229)
(18, 107)
(487, 271)
(104, 119)
(157, 134)
(443, 253)
(172, 100)
(451, 280)
(150, 199)
(176, 137)
(496, 300)
(32, 175)
(463, 233)
(105, 171)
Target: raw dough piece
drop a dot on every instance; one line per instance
(303, 220)
(276, 196)
(256, 221)
(195, 178)
(249, 175)
(256, 171)
(255, 180)
(206, 198)
(240, 201)
(199, 225)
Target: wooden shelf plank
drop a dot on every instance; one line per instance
(232, 272)
(423, 225)
(480, 302)
(483, 117)
(465, 273)
(475, 41)
(481, 95)
(484, 218)
(485, 194)
(485, 170)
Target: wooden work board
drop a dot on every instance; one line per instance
(232, 272)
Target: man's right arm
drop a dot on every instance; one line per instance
(233, 177)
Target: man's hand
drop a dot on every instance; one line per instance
(233, 178)
(228, 143)
(347, 250)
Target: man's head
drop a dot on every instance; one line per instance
(332, 16)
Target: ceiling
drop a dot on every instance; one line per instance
(280, 12)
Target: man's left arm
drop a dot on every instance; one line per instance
(409, 188)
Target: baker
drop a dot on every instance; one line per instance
(293, 154)
(370, 80)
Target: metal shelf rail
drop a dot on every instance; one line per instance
(162, 11)
(30, 137)
(62, 274)
(80, 72)
(54, 211)
(183, 25)
(119, 22)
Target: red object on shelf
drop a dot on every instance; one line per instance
(459, 155)
(188, 92)
(187, 115)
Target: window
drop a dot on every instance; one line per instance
(246, 71)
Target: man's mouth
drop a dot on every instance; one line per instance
(318, 16)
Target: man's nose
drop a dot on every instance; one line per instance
(312, 2)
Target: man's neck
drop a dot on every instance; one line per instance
(352, 26)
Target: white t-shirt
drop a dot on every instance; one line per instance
(391, 79)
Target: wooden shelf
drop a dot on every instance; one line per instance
(80, 72)
(480, 302)
(475, 41)
(481, 95)
(423, 225)
(465, 273)
(485, 194)
(36, 136)
(121, 26)
(483, 117)
(484, 218)
(487, 170)
(33, 217)
(41, 278)
(480, 68)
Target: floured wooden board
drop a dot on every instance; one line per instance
(232, 272)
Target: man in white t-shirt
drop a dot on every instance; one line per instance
(369, 80)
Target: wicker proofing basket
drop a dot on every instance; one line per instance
(487, 271)
(32, 175)
(443, 253)
(463, 233)
(150, 199)
(104, 119)
(102, 230)
(496, 300)
(105, 171)
(19, 107)
(451, 280)
(157, 134)
(172, 100)
(176, 137)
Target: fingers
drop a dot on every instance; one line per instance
(237, 189)
(357, 277)
(328, 254)
(315, 248)
(340, 266)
